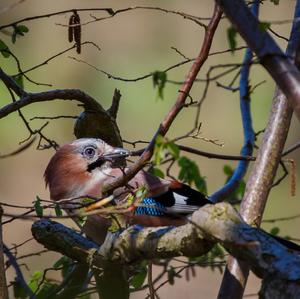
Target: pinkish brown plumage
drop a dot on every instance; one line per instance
(82, 167)
(64, 170)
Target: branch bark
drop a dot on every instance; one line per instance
(267, 161)
(212, 223)
(3, 286)
(94, 121)
(179, 104)
(279, 66)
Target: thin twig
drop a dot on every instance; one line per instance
(179, 104)
(3, 286)
(20, 149)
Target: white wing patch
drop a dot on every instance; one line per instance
(181, 206)
(180, 199)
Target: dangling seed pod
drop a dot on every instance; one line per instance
(74, 30)
(71, 28)
(77, 32)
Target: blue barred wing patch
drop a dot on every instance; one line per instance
(150, 207)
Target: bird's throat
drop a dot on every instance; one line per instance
(98, 163)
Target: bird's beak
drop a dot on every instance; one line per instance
(117, 153)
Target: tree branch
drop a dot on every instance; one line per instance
(264, 170)
(211, 223)
(3, 286)
(279, 66)
(95, 121)
(249, 135)
(179, 104)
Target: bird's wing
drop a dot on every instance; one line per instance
(181, 199)
(154, 186)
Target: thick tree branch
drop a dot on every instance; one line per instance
(95, 121)
(283, 71)
(11, 83)
(131, 245)
(211, 223)
(264, 170)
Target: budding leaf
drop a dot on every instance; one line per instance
(238, 192)
(157, 172)
(159, 81)
(19, 291)
(172, 274)
(231, 36)
(35, 280)
(19, 30)
(58, 211)
(38, 207)
(65, 264)
(164, 147)
(173, 149)
(276, 2)
(275, 231)
(264, 26)
(19, 80)
(4, 49)
(189, 173)
(138, 279)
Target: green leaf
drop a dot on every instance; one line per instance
(200, 184)
(35, 280)
(238, 193)
(264, 26)
(61, 262)
(58, 211)
(172, 274)
(159, 80)
(275, 231)
(22, 29)
(173, 150)
(228, 170)
(159, 149)
(65, 263)
(157, 172)
(19, 80)
(4, 49)
(38, 207)
(46, 289)
(276, 2)
(241, 188)
(82, 220)
(141, 192)
(189, 173)
(138, 279)
(19, 291)
(19, 30)
(217, 253)
(162, 148)
(231, 37)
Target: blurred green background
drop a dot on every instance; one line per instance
(133, 44)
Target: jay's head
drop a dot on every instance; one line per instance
(79, 166)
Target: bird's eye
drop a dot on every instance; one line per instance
(89, 152)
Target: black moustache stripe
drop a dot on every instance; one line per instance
(98, 163)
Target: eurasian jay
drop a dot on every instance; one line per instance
(83, 166)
